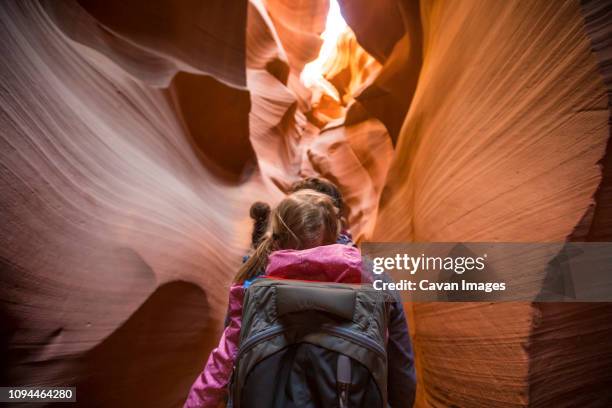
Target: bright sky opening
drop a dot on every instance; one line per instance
(313, 71)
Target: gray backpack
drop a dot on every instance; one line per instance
(311, 344)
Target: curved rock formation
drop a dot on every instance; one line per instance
(397, 41)
(105, 203)
(136, 137)
(502, 142)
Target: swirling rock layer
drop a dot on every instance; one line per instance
(502, 142)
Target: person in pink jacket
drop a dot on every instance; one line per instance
(305, 219)
(301, 244)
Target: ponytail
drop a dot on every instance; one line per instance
(260, 213)
(257, 262)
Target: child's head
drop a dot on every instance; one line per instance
(260, 212)
(304, 219)
(322, 186)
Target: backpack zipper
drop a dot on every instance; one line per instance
(343, 380)
(262, 335)
(355, 337)
(336, 331)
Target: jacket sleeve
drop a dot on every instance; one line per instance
(210, 387)
(401, 372)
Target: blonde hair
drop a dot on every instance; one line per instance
(304, 219)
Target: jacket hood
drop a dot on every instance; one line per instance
(328, 263)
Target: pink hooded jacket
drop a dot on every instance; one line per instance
(330, 263)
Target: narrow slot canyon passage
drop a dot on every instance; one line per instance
(136, 136)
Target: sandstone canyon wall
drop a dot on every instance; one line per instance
(504, 142)
(135, 137)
